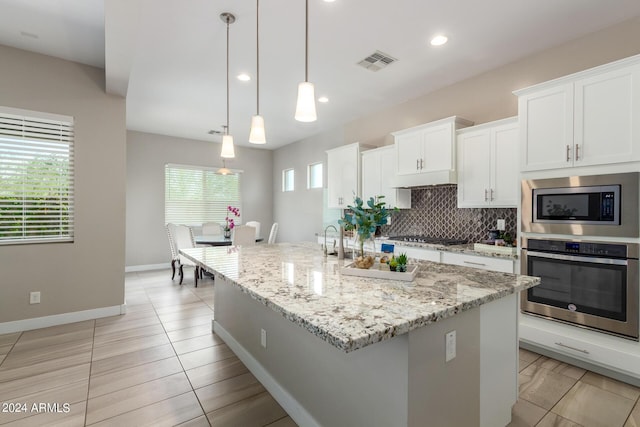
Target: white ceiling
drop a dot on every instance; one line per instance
(168, 57)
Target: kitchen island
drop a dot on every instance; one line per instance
(343, 350)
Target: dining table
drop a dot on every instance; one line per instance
(217, 240)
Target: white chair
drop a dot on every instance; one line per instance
(211, 228)
(256, 225)
(175, 257)
(184, 239)
(274, 232)
(243, 235)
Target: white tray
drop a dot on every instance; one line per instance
(375, 273)
(504, 250)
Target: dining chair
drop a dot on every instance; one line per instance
(175, 257)
(243, 235)
(256, 225)
(184, 240)
(274, 232)
(211, 228)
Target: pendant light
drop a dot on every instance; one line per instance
(306, 105)
(228, 151)
(257, 133)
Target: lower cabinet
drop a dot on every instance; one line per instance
(503, 265)
(616, 357)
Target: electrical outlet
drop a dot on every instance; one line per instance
(263, 338)
(34, 298)
(450, 346)
(500, 225)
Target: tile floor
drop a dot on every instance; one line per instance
(160, 365)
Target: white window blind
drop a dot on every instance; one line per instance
(194, 195)
(36, 177)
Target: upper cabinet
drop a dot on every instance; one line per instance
(343, 175)
(378, 172)
(488, 165)
(426, 154)
(588, 118)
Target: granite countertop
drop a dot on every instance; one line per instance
(465, 249)
(297, 281)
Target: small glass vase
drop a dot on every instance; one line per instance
(227, 233)
(366, 258)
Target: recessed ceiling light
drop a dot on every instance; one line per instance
(323, 99)
(439, 40)
(244, 77)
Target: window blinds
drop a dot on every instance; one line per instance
(36, 177)
(194, 195)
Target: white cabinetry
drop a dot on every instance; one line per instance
(484, 263)
(588, 118)
(343, 175)
(378, 172)
(426, 154)
(488, 165)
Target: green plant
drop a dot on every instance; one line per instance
(393, 263)
(402, 259)
(365, 218)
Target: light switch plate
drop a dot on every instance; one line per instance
(450, 346)
(500, 225)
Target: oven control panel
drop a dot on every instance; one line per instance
(578, 248)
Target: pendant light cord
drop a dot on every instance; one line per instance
(257, 57)
(227, 75)
(306, 41)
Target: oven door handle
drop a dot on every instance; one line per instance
(591, 260)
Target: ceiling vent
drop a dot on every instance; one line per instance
(376, 61)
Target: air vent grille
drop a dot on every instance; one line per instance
(377, 61)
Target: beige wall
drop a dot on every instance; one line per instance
(88, 273)
(482, 99)
(147, 154)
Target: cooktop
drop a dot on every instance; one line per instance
(428, 239)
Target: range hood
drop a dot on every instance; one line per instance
(425, 179)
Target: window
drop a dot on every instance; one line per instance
(314, 175)
(36, 177)
(287, 180)
(194, 195)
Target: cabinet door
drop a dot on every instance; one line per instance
(371, 174)
(474, 159)
(438, 150)
(343, 168)
(334, 185)
(408, 153)
(504, 166)
(546, 128)
(607, 117)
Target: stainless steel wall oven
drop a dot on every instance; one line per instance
(592, 284)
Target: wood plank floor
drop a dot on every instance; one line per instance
(160, 365)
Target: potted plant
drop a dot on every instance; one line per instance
(365, 219)
(393, 264)
(230, 223)
(402, 262)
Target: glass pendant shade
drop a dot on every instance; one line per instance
(306, 105)
(227, 147)
(257, 133)
(223, 171)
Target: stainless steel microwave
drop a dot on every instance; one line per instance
(595, 205)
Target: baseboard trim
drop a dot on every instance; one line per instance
(147, 267)
(61, 319)
(282, 396)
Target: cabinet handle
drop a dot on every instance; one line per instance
(568, 156)
(421, 163)
(491, 194)
(577, 151)
(485, 195)
(474, 263)
(417, 164)
(572, 348)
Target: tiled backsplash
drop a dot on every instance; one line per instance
(434, 213)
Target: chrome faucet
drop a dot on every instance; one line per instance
(325, 237)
